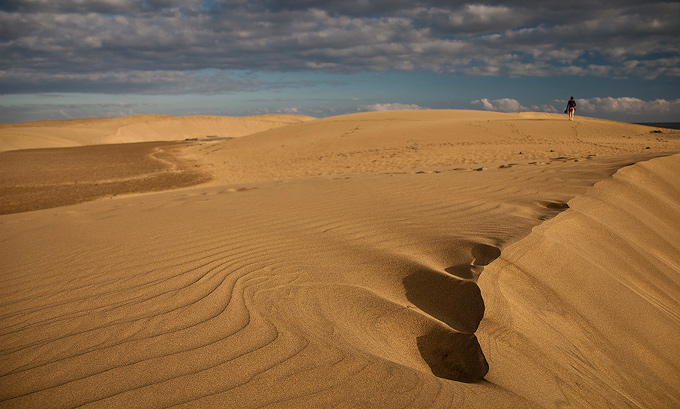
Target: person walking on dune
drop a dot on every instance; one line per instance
(571, 108)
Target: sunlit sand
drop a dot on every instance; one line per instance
(386, 259)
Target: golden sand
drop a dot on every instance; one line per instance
(394, 259)
(34, 179)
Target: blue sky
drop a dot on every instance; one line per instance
(66, 59)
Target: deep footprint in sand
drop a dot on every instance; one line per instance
(453, 353)
(465, 271)
(453, 356)
(556, 205)
(457, 303)
(483, 255)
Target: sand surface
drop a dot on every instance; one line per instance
(395, 259)
(140, 128)
(34, 179)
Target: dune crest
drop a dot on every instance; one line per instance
(590, 299)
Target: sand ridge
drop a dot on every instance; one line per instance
(609, 310)
(479, 278)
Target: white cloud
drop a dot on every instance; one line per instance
(395, 106)
(501, 105)
(628, 105)
(544, 108)
(596, 105)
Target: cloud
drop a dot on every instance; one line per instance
(163, 82)
(62, 39)
(501, 105)
(629, 105)
(395, 106)
(27, 112)
(96, 6)
(469, 18)
(595, 106)
(544, 108)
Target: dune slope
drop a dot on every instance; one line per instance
(589, 301)
(404, 140)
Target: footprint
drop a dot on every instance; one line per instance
(555, 205)
(484, 254)
(457, 303)
(453, 356)
(240, 189)
(465, 271)
(554, 208)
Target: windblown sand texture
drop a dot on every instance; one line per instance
(393, 259)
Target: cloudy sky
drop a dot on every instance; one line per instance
(64, 59)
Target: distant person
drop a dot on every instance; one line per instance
(571, 108)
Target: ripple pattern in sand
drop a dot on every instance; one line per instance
(298, 293)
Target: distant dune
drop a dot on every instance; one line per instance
(405, 140)
(395, 259)
(141, 128)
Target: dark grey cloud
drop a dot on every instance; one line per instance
(96, 6)
(28, 112)
(158, 46)
(141, 82)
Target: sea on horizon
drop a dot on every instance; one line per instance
(667, 125)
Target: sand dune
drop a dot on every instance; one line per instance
(404, 140)
(141, 128)
(588, 302)
(402, 259)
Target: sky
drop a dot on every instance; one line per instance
(63, 59)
